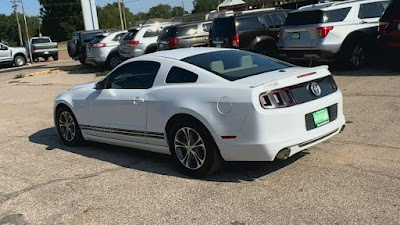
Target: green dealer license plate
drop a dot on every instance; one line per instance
(321, 117)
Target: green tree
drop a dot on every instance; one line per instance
(61, 18)
(160, 11)
(109, 16)
(177, 11)
(9, 29)
(200, 6)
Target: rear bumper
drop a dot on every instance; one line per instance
(45, 52)
(267, 132)
(315, 55)
(131, 54)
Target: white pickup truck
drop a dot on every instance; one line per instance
(43, 47)
(10, 55)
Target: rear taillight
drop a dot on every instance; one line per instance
(323, 31)
(383, 26)
(235, 40)
(277, 99)
(332, 83)
(99, 45)
(132, 43)
(173, 41)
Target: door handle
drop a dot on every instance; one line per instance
(138, 100)
(363, 22)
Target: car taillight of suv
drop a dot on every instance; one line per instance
(235, 40)
(323, 31)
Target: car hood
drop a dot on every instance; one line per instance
(90, 85)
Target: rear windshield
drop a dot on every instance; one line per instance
(96, 39)
(131, 34)
(88, 37)
(40, 40)
(234, 65)
(223, 27)
(315, 17)
(392, 11)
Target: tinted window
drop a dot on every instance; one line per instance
(118, 37)
(187, 30)
(233, 65)
(335, 15)
(178, 75)
(40, 40)
(96, 39)
(268, 19)
(370, 10)
(206, 27)
(168, 32)
(304, 18)
(131, 34)
(248, 23)
(278, 19)
(3, 47)
(88, 37)
(134, 75)
(393, 10)
(152, 33)
(223, 27)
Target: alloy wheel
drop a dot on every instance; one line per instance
(115, 61)
(358, 56)
(20, 61)
(190, 148)
(67, 126)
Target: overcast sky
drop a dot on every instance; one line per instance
(32, 6)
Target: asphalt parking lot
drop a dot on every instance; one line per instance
(352, 179)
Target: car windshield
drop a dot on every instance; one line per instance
(130, 35)
(234, 65)
(40, 40)
(223, 27)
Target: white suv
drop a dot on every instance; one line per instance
(335, 31)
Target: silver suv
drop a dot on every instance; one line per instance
(334, 31)
(141, 40)
(9, 55)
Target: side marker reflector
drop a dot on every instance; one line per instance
(307, 74)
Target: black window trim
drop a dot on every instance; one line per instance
(107, 81)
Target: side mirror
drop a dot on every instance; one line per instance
(100, 85)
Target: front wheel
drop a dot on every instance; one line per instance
(19, 60)
(113, 61)
(68, 127)
(194, 148)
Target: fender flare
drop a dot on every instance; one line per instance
(261, 39)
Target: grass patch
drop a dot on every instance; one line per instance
(19, 76)
(102, 73)
(62, 46)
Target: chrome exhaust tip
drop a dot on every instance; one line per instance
(283, 154)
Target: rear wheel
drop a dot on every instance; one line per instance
(82, 60)
(194, 148)
(267, 49)
(354, 54)
(46, 58)
(19, 60)
(55, 57)
(68, 127)
(113, 61)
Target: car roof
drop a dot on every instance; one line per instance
(249, 13)
(179, 54)
(330, 5)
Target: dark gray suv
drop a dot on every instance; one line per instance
(184, 36)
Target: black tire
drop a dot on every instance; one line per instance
(113, 61)
(77, 138)
(19, 60)
(354, 54)
(268, 49)
(46, 58)
(212, 157)
(71, 48)
(82, 60)
(55, 57)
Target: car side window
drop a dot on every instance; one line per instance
(152, 33)
(179, 75)
(118, 37)
(3, 47)
(249, 24)
(134, 75)
(269, 21)
(336, 15)
(206, 27)
(370, 10)
(278, 19)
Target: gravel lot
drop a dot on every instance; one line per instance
(352, 179)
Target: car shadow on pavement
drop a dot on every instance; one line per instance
(159, 163)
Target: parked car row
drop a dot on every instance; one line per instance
(345, 32)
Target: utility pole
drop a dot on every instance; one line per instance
(19, 25)
(120, 15)
(123, 13)
(27, 32)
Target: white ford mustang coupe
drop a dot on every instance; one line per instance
(204, 106)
